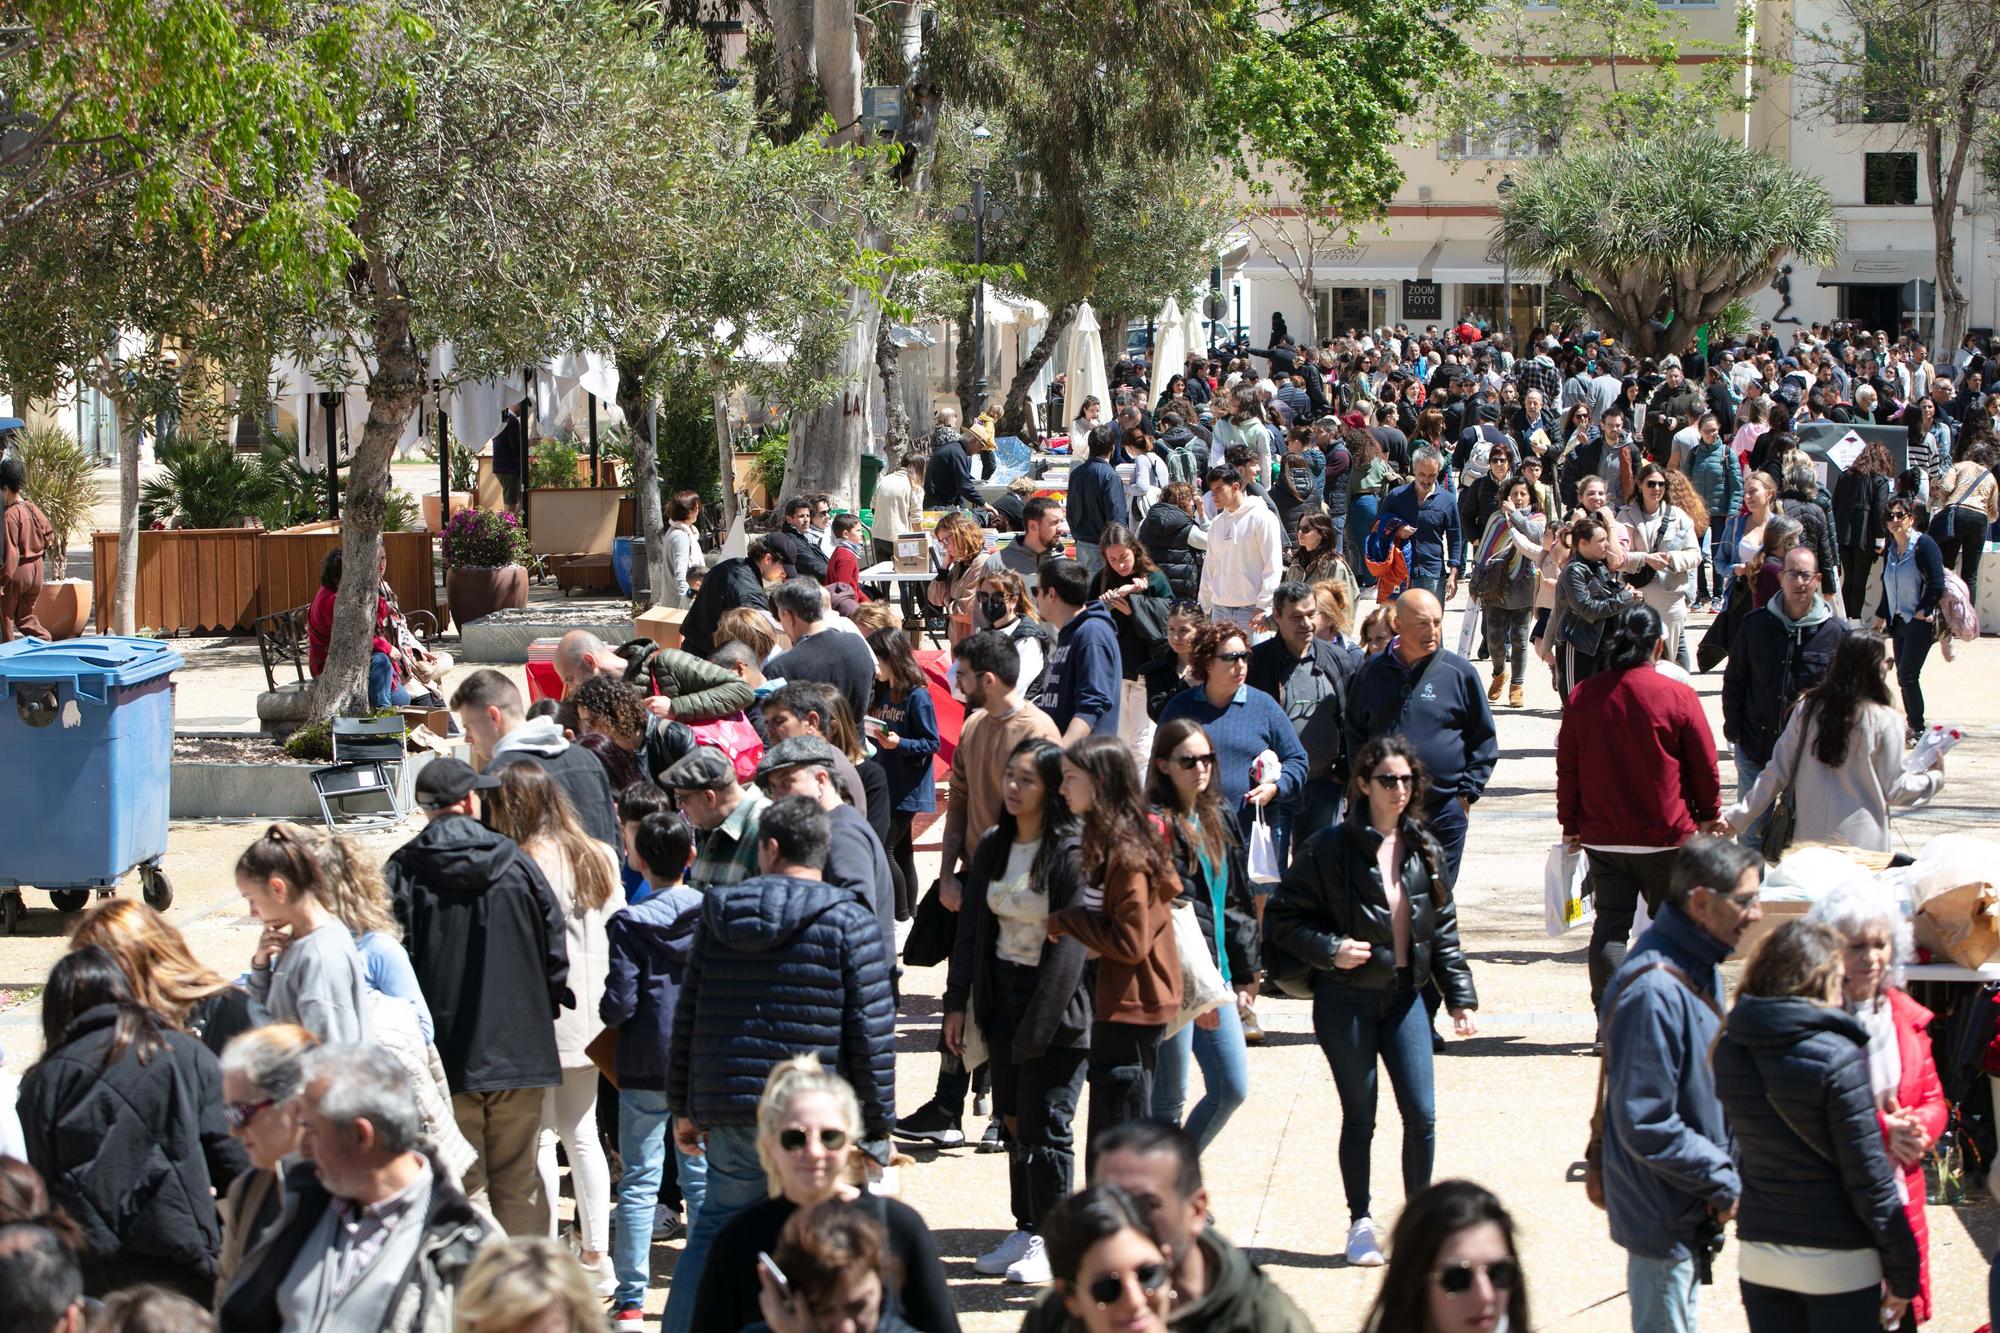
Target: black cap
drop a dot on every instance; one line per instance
(445, 781)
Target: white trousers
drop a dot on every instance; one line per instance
(569, 1113)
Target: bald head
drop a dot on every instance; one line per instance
(1419, 624)
(581, 655)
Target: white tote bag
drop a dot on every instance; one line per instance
(1202, 986)
(1565, 906)
(1264, 868)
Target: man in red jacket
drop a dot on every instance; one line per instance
(1635, 778)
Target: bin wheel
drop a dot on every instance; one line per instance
(158, 889)
(68, 901)
(11, 908)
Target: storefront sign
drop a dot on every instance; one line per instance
(1422, 300)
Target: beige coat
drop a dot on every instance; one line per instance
(589, 951)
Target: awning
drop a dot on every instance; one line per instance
(1880, 268)
(1478, 261)
(1367, 261)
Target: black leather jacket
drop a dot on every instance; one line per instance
(1333, 892)
(1588, 594)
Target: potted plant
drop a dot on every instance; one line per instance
(61, 484)
(483, 555)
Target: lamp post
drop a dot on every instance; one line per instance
(444, 458)
(1505, 188)
(328, 400)
(977, 212)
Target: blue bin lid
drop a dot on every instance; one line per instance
(91, 666)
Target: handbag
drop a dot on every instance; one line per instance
(735, 737)
(1646, 573)
(1783, 822)
(1715, 641)
(603, 1052)
(933, 930)
(1202, 986)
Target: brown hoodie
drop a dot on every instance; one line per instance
(1138, 963)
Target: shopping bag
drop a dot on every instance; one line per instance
(1563, 876)
(1202, 986)
(1264, 868)
(736, 738)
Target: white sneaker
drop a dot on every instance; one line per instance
(1000, 1259)
(1363, 1250)
(1032, 1267)
(603, 1277)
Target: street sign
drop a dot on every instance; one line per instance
(1422, 299)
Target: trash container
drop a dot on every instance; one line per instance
(86, 763)
(871, 472)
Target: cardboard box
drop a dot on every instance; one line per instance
(661, 624)
(1775, 913)
(913, 553)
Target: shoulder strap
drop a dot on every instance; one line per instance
(1678, 974)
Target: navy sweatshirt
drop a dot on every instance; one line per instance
(1444, 714)
(1096, 498)
(1085, 676)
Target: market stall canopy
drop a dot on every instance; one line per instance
(1083, 363)
(1170, 344)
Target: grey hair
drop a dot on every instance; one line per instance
(801, 596)
(273, 1059)
(1853, 908)
(1777, 528)
(1427, 454)
(367, 1083)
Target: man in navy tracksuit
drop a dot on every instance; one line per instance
(1085, 678)
(1429, 523)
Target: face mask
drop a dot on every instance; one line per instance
(994, 609)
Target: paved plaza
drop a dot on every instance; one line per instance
(1513, 1102)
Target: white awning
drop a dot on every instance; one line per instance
(1342, 265)
(1476, 261)
(1880, 268)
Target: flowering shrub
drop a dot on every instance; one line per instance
(483, 538)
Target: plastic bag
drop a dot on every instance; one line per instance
(1564, 904)
(1202, 986)
(1263, 853)
(736, 738)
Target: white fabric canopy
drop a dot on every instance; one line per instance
(1083, 364)
(1170, 345)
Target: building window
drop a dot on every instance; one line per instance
(1888, 178)
(1485, 303)
(1506, 135)
(1340, 310)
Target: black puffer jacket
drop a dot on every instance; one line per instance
(1164, 534)
(1239, 932)
(485, 937)
(1333, 892)
(1060, 1014)
(131, 1152)
(1793, 1077)
(782, 966)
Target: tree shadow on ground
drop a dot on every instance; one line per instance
(1527, 957)
(1515, 1044)
(973, 1292)
(1266, 1257)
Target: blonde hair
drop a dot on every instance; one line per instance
(748, 626)
(516, 1279)
(354, 890)
(871, 616)
(800, 1076)
(164, 974)
(1332, 599)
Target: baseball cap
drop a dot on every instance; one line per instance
(445, 781)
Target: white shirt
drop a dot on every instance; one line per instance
(1246, 557)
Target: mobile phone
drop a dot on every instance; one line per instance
(777, 1274)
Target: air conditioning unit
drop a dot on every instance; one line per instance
(1423, 194)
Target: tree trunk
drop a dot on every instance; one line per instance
(1947, 173)
(635, 401)
(726, 452)
(1018, 417)
(125, 603)
(889, 365)
(1113, 326)
(827, 443)
(965, 365)
(394, 390)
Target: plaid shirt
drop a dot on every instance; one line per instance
(728, 852)
(1538, 373)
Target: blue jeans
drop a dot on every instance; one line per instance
(381, 692)
(1430, 583)
(1447, 820)
(735, 1181)
(1360, 522)
(1225, 1076)
(1354, 1028)
(1746, 778)
(644, 1135)
(1912, 640)
(1662, 1292)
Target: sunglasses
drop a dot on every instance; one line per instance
(1232, 657)
(794, 1140)
(240, 1114)
(1106, 1289)
(1456, 1279)
(1391, 781)
(1655, 485)
(1190, 762)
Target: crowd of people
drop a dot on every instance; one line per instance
(654, 932)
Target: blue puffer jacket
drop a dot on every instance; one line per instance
(1793, 1076)
(649, 944)
(782, 966)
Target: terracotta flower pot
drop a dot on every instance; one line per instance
(64, 607)
(473, 591)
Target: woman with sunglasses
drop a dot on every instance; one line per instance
(1109, 1263)
(1912, 584)
(1215, 878)
(1028, 994)
(1365, 907)
(1258, 756)
(263, 1072)
(1453, 1267)
(1664, 553)
(808, 1125)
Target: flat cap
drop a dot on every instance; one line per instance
(704, 769)
(794, 752)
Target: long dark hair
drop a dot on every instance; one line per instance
(892, 650)
(1854, 677)
(1117, 534)
(1411, 824)
(1118, 828)
(1203, 824)
(1058, 820)
(85, 979)
(1428, 1221)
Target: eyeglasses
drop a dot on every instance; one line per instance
(794, 1140)
(1898, 516)
(1391, 781)
(1802, 575)
(1456, 1279)
(240, 1114)
(1742, 902)
(1232, 657)
(1190, 762)
(1109, 1287)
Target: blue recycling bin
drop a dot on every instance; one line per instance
(86, 766)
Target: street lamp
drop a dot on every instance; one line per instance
(329, 400)
(977, 212)
(1505, 188)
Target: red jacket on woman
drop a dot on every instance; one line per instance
(1917, 1090)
